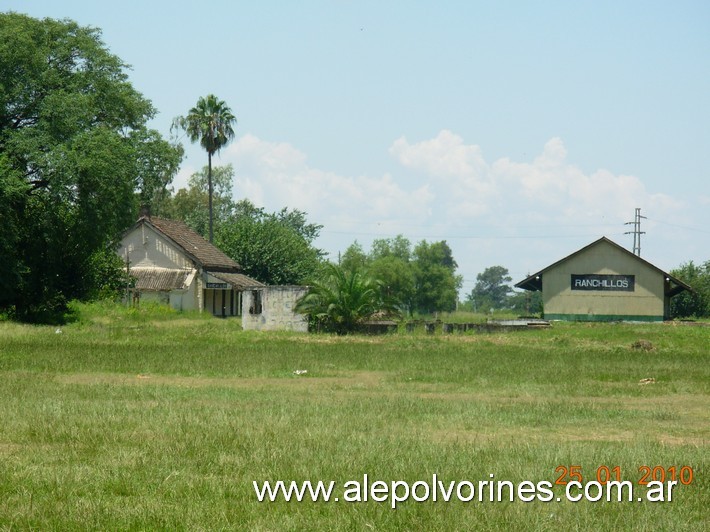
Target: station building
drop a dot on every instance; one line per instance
(172, 264)
(604, 282)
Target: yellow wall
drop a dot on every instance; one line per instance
(646, 301)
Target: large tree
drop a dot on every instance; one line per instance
(491, 290)
(274, 248)
(210, 122)
(436, 284)
(390, 261)
(423, 280)
(696, 303)
(74, 150)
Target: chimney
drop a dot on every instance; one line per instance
(144, 212)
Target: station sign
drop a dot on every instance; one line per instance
(214, 282)
(596, 281)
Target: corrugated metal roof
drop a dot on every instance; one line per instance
(237, 280)
(162, 279)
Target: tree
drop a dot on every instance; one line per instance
(340, 300)
(272, 248)
(491, 289)
(191, 205)
(396, 277)
(354, 258)
(13, 191)
(211, 123)
(525, 303)
(399, 247)
(422, 280)
(696, 303)
(435, 281)
(390, 261)
(157, 163)
(74, 150)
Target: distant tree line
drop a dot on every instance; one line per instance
(492, 292)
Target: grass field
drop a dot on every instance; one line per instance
(143, 420)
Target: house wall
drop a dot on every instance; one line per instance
(147, 248)
(150, 249)
(645, 303)
(154, 297)
(190, 301)
(271, 308)
(177, 299)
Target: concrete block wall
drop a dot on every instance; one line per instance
(270, 308)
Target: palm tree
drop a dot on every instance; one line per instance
(342, 299)
(211, 123)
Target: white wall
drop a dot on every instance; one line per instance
(277, 303)
(147, 248)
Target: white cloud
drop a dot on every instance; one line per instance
(549, 183)
(276, 175)
(520, 214)
(462, 188)
(456, 169)
(444, 156)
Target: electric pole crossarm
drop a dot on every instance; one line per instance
(637, 231)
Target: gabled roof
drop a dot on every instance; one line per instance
(534, 281)
(196, 247)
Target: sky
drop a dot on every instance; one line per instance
(517, 131)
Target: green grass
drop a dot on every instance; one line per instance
(148, 419)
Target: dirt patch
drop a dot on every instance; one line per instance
(7, 449)
(642, 345)
(330, 339)
(361, 379)
(511, 437)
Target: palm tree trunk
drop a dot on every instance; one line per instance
(209, 189)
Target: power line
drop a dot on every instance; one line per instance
(689, 228)
(468, 237)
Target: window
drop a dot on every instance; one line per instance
(255, 307)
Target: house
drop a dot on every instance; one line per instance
(173, 264)
(604, 282)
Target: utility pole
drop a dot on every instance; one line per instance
(128, 279)
(637, 231)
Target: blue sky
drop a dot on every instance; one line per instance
(517, 131)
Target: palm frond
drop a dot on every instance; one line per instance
(342, 300)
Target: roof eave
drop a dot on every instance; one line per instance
(532, 283)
